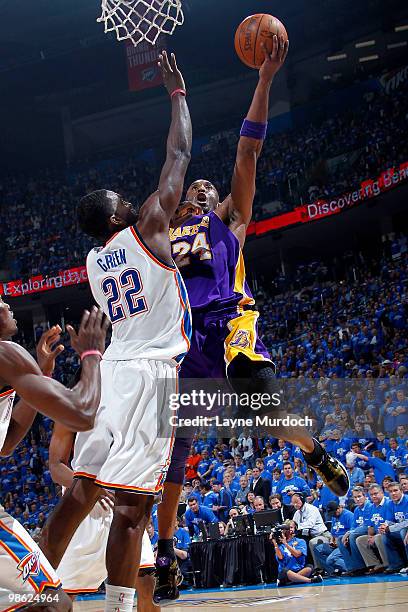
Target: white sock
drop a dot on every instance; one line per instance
(118, 598)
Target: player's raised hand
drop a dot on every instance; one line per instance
(274, 60)
(91, 335)
(172, 77)
(48, 349)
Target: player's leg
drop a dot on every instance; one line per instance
(61, 525)
(259, 377)
(83, 567)
(130, 517)
(144, 589)
(168, 575)
(205, 354)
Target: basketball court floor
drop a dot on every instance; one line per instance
(375, 593)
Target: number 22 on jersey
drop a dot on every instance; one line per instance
(123, 295)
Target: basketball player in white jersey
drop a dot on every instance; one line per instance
(134, 279)
(26, 577)
(83, 567)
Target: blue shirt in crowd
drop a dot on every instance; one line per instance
(379, 513)
(182, 539)
(295, 484)
(289, 562)
(362, 516)
(203, 514)
(397, 513)
(343, 523)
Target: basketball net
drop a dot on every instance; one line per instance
(139, 20)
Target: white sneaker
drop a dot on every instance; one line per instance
(404, 570)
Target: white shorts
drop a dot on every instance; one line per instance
(127, 449)
(24, 571)
(83, 567)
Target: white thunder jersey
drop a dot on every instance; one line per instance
(144, 298)
(6, 408)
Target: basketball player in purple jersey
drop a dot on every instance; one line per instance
(207, 241)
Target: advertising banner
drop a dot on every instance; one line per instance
(143, 71)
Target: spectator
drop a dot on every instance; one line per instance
(290, 553)
(328, 555)
(276, 477)
(196, 514)
(286, 512)
(371, 546)
(348, 543)
(356, 474)
(243, 491)
(247, 448)
(259, 504)
(379, 464)
(265, 474)
(233, 513)
(250, 508)
(259, 486)
(204, 465)
(309, 523)
(394, 529)
(290, 484)
(182, 543)
(192, 463)
(153, 535)
(240, 468)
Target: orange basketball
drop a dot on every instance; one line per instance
(254, 30)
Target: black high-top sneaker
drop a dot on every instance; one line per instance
(168, 579)
(331, 470)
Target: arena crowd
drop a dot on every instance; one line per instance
(315, 161)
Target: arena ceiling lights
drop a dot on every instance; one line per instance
(366, 43)
(368, 58)
(335, 58)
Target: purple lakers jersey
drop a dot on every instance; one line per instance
(210, 260)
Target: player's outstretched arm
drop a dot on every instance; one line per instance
(75, 408)
(159, 208)
(23, 415)
(237, 208)
(62, 441)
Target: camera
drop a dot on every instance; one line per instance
(277, 532)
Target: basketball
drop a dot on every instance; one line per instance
(252, 32)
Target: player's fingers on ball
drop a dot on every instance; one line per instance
(275, 46)
(264, 50)
(283, 49)
(286, 48)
